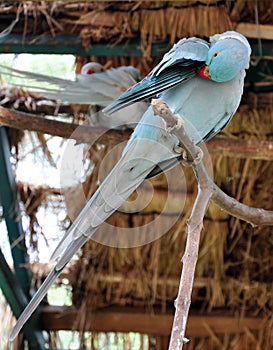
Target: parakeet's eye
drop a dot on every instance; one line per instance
(215, 54)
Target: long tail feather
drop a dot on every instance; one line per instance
(42, 291)
(125, 177)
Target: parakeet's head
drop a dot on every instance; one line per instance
(228, 55)
(91, 68)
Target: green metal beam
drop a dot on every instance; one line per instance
(15, 289)
(17, 300)
(11, 213)
(72, 44)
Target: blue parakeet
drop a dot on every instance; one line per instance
(203, 82)
(95, 85)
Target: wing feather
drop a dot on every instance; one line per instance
(177, 66)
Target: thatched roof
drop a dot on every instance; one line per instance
(234, 271)
(148, 21)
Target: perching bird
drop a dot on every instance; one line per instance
(95, 85)
(201, 81)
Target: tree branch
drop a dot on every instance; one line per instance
(253, 149)
(189, 260)
(80, 133)
(254, 216)
(206, 190)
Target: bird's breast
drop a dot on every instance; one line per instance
(203, 103)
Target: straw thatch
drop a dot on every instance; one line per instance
(112, 22)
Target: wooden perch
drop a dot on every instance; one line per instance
(253, 149)
(206, 190)
(80, 133)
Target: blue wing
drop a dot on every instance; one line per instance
(177, 66)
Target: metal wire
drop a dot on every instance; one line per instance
(255, 62)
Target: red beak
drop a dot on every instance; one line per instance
(90, 71)
(203, 72)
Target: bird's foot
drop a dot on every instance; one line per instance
(197, 159)
(188, 161)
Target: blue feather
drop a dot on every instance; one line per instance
(206, 106)
(177, 66)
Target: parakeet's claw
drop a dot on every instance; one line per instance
(188, 162)
(179, 149)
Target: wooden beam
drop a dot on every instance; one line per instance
(125, 319)
(253, 149)
(251, 30)
(80, 133)
(238, 148)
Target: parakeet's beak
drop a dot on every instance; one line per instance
(203, 72)
(90, 71)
